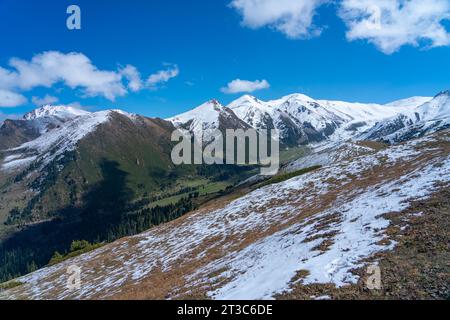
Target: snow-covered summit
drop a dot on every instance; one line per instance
(256, 113)
(50, 111)
(299, 97)
(206, 112)
(206, 119)
(246, 101)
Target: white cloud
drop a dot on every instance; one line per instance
(73, 69)
(163, 76)
(133, 77)
(48, 99)
(294, 18)
(391, 24)
(241, 86)
(76, 71)
(11, 99)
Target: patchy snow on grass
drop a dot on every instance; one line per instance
(267, 267)
(254, 247)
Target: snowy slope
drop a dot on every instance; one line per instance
(408, 102)
(50, 111)
(48, 117)
(206, 119)
(60, 130)
(326, 222)
(436, 109)
(428, 117)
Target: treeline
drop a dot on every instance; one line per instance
(78, 247)
(35, 246)
(144, 219)
(108, 213)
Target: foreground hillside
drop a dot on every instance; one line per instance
(307, 237)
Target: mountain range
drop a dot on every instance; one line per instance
(302, 120)
(68, 174)
(50, 131)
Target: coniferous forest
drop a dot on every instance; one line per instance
(108, 214)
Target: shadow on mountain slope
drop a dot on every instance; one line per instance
(99, 219)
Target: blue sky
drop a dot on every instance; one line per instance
(200, 46)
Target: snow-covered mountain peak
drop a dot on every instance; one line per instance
(123, 113)
(206, 112)
(202, 119)
(56, 135)
(298, 97)
(256, 113)
(245, 100)
(214, 102)
(305, 109)
(50, 111)
(246, 103)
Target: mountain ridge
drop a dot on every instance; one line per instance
(299, 118)
(302, 119)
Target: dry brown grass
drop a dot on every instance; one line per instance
(173, 282)
(418, 267)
